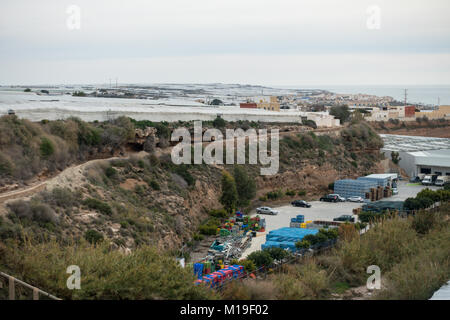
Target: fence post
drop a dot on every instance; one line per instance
(12, 289)
(35, 294)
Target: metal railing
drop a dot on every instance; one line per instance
(12, 288)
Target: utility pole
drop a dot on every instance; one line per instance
(406, 96)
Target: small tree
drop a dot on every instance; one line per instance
(260, 258)
(277, 253)
(395, 157)
(303, 244)
(93, 236)
(216, 102)
(341, 112)
(245, 186)
(219, 123)
(46, 147)
(229, 197)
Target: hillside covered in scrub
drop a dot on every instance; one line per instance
(413, 255)
(144, 199)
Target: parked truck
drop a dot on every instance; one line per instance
(429, 179)
(441, 180)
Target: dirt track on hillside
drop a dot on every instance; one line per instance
(69, 177)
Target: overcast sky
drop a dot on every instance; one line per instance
(268, 42)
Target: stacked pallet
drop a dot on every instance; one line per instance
(349, 188)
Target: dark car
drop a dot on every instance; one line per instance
(414, 179)
(301, 203)
(330, 198)
(345, 217)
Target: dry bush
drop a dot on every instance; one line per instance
(421, 274)
(34, 211)
(107, 274)
(250, 290)
(303, 281)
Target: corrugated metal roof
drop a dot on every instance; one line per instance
(443, 293)
(382, 176)
(439, 158)
(393, 142)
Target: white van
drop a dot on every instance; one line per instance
(427, 180)
(441, 180)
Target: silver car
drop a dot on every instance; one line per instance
(340, 199)
(355, 199)
(266, 210)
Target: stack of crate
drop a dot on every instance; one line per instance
(348, 188)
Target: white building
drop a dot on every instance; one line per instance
(426, 155)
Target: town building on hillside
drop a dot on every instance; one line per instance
(270, 104)
(442, 113)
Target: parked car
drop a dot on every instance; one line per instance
(415, 179)
(341, 199)
(329, 198)
(301, 203)
(355, 199)
(345, 218)
(266, 210)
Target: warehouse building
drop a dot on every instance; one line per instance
(426, 155)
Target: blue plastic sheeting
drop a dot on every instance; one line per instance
(286, 238)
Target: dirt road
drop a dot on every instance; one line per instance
(69, 177)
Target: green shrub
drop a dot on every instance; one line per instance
(197, 237)
(249, 265)
(303, 244)
(424, 221)
(290, 193)
(182, 170)
(301, 193)
(154, 185)
(110, 172)
(208, 230)
(219, 123)
(273, 195)
(218, 213)
(93, 236)
(98, 205)
(260, 258)
(370, 217)
(46, 147)
(277, 253)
